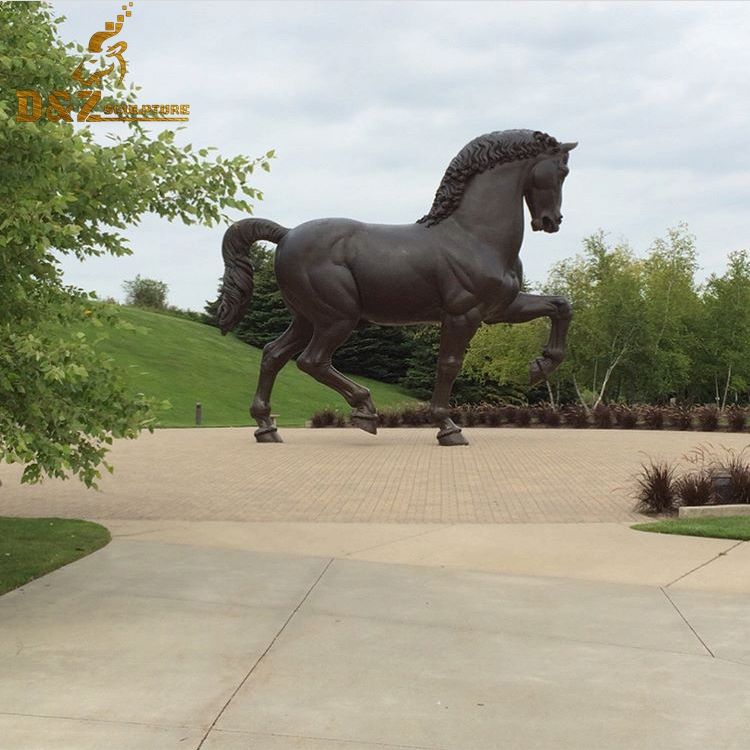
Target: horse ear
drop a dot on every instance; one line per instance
(568, 146)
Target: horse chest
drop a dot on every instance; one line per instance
(497, 292)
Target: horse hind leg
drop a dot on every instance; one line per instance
(316, 361)
(275, 355)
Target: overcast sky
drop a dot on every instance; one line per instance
(366, 103)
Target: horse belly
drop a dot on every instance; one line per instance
(395, 274)
(391, 297)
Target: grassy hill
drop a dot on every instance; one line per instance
(174, 359)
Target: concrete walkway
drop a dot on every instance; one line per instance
(196, 629)
(154, 644)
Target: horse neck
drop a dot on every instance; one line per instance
(491, 208)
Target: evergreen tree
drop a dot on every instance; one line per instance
(469, 388)
(419, 378)
(267, 317)
(378, 352)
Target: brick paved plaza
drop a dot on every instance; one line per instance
(506, 475)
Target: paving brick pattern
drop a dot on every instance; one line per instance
(507, 475)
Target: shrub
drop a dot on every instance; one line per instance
(575, 415)
(509, 413)
(736, 418)
(681, 417)
(549, 416)
(602, 416)
(469, 415)
(325, 418)
(146, 293)
(695, 488)
(389, 418)
(626, 417)
(653, 417)
(739, 478)
(491, 414)
(517, 415)
(708, 418)
(656, 488)
(732, 463)
(523, 416)
(416, 416)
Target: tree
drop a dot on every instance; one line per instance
(471, 387)
(375, 351)
(725, 349)
(419, 378)
(267, 317)
(502, 353)
(146, 293)
(671, 312)
(604, 286)
(62, 403)
(634, 332)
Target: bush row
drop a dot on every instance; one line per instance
(604, 416)
(704, 477)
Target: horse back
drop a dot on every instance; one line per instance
(394, 266)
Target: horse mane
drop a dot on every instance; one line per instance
(479, 155)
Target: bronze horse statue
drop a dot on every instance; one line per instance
(457, 266)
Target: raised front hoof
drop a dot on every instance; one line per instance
(366, 422)
(453, 436)
(268, 435)
(539, 370)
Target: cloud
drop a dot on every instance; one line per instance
(366, 103)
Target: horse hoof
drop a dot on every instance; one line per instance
(268, 435)
(452, 436)
(366, 422)
(537, 372)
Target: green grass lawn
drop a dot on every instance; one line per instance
(31, 547)
(731, 527)
(177, 360)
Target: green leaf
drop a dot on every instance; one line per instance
(65, 191)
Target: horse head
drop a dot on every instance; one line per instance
(543, 189)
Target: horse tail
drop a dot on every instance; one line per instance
(237, 285)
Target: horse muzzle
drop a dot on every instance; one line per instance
(546, 224)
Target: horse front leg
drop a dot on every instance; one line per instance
(455, 335)
(527, 307)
